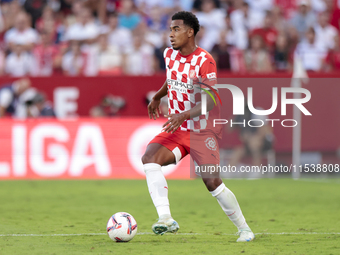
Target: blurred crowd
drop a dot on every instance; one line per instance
(114, 37)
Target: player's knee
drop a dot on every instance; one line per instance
(146, 158)
(212, 183)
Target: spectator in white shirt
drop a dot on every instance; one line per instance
(118, 36)
(85, 30)
(21, 33)
(311, 52)
(261, 5)
(236, 37)
(139, 59)
(151, 36)
(324, 31)
(19, 62)
(74, 61)
(109, 57)
(247, 18)
(213, 20)
(318, 5)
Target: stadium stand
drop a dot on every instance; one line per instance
(256, 36)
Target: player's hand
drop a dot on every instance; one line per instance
(153, 109)
(174, 122)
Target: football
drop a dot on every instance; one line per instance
(121, 227)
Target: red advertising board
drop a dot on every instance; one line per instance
(79, 148)
(74, 96)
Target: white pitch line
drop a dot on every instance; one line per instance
(150, 233)
(82, 234)
(335, 181)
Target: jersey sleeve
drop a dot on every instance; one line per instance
(208, 72)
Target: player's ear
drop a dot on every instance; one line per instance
(190, 32)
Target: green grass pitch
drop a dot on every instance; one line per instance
(288, 217)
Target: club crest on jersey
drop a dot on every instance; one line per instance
(211, 143)
(192, 74)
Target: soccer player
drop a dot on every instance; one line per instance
(187, 131)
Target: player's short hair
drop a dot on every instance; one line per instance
(189, 19)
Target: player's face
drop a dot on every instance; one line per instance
(179, 34)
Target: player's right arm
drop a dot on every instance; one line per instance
(153, 108)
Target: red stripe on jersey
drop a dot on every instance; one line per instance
(181, 106)
(199, 61)
(181, 65)
(185, 97)
(176, 112)
(189, 58)
(184, 77)
(171, 104)
(174, 75)
(171, 64)
(168, 53)
(174, 95)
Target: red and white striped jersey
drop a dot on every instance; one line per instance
(183, 74)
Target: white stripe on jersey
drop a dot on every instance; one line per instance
(174, 54)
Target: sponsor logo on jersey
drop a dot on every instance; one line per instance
(211, 75)
(178, 84)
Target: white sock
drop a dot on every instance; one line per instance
(230, 206)
(158, 189)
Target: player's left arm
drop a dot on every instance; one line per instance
(209, 80)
